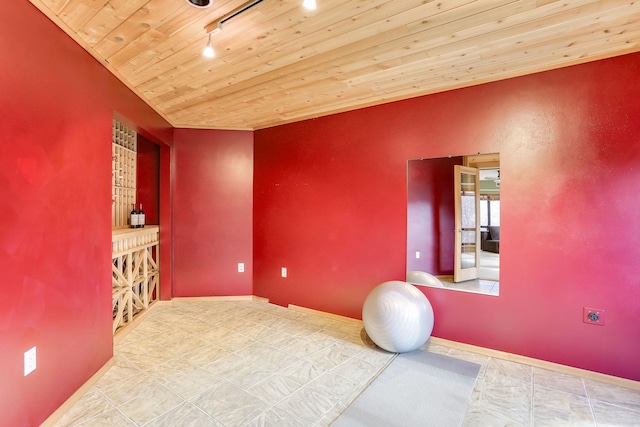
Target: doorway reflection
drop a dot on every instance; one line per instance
(439, 240)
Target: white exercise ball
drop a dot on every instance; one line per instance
(397, 316)
(422, 278)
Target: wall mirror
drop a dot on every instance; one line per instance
(453, 223)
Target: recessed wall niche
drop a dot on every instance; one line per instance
(134, 251)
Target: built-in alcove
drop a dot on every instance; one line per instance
(135, 249)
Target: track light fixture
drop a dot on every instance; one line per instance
(208, 51)
(216, 26)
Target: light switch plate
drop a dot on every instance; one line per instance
(29, 361)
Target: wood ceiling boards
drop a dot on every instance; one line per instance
(279, 63)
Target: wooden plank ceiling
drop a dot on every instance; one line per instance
(280, 63)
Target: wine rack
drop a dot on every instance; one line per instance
(135, 272)
(123, 173)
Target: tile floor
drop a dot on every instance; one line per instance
(476, 286)
(250, 363)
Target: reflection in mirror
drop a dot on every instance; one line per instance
(453, 223)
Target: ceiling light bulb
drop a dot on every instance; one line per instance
(309, 4)
(208, 51)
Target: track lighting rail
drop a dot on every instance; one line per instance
(216, 26)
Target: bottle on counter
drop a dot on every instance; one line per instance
(141, 217)
(134, 218)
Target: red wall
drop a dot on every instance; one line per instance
(330, 205)
(213, 212)
(431, 215)
(56, 110)
(148, 179)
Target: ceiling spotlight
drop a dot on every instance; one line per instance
(208, 51)
(309, 4)
(200, 3)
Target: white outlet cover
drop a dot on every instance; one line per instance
(417, 254)
(284, 271)
(29, 361)
(241, 267)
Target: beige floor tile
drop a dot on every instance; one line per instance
(258, 332)
(505, 395)
(181, 343)
(608, 415)
(307, 404)
(90, 405)
(507, 369)
(120, 371)
(301, 348)
(230, 405)
(552, 408)
(149, 359)
(376, 356)
(479, 415)
(353, 346)
(193, 325)
(250, 375)
(333, 386)
(193, 383)
(151, 404)
(277, 361)
(152, 327)
(303, 371)
(121, 393)
(357, 370)
(205, 355)
(265, 319)
(172, 369)
(133, 348)
(329, 357)
(274, 389)
(558, 381)
(170, 335)
(214, 334)
(435, 348)
(619, 396)
(276, 417)
(186, 415)
(321, 337)
(109, 418)
(234, 342)
(226, 367)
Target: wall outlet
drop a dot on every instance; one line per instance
(241, 267)
(417, 254)
(283, 272)
(29, 361)
(593, 316)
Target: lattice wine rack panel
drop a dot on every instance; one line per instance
(123, 173)
(135, 272)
